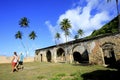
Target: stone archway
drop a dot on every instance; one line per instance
(48, 55)
(81, 58)
(85, 57)
(108, 53)
(77, 57)
(60, 55)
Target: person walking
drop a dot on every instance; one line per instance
(21, 61)
(14, 62)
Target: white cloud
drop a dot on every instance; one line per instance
(81, 18)
(97, 21)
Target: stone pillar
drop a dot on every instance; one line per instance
(71, 58)
(54, 55)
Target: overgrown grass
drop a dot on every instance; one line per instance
(47, 71)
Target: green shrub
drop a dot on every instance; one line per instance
(55, 78)
(61, 75)
(40, 77)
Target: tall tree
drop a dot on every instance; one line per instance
(57, 36)
(18, 35)
(65, 26)
(117, 13)
(24, 22)
(32, 35)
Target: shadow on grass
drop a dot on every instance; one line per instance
(102, 75)
(82, 64)
(115, 65)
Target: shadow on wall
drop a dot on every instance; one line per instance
(102, 75)
(81, 58)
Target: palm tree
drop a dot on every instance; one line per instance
(80, 32)
(65, 25)
(32, 35)
(76, 36)
(117, 14)
(57, 36)
(24, 22)
(18, 35)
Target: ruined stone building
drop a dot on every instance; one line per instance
(104, 49)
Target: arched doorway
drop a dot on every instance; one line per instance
(41, 57)
(48, 55)
(77, 57)
(60, 55)
(81, 58)
(108, 53)
(85, 57)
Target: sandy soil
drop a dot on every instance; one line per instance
(4, 59)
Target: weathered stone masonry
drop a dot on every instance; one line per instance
(103, 49)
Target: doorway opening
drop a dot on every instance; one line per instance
(48, 55)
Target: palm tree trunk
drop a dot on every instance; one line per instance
(66, 48)
(24, 47)
(28, 50)
(55, 42)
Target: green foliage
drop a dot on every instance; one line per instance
(40, 77)
(111, 27)
(65, 26)
(73, 74)
(57, 35)
(58, 76)
(55, 78)
(24, 22)
(32, 35)
(61, 75)
(76, 76)
(76, 36)
(18, 35)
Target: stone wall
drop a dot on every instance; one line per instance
(98, 50)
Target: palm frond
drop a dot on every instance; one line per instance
(18, 35)
(32, 35)
(24, 22)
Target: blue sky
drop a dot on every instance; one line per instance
(45, 16)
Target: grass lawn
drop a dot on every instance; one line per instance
(56, 71)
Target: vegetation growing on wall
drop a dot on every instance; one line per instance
(111, 27)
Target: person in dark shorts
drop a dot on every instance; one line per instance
(21, 61)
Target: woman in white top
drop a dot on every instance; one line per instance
(14, 62)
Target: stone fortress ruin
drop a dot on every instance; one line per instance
(103, 49)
